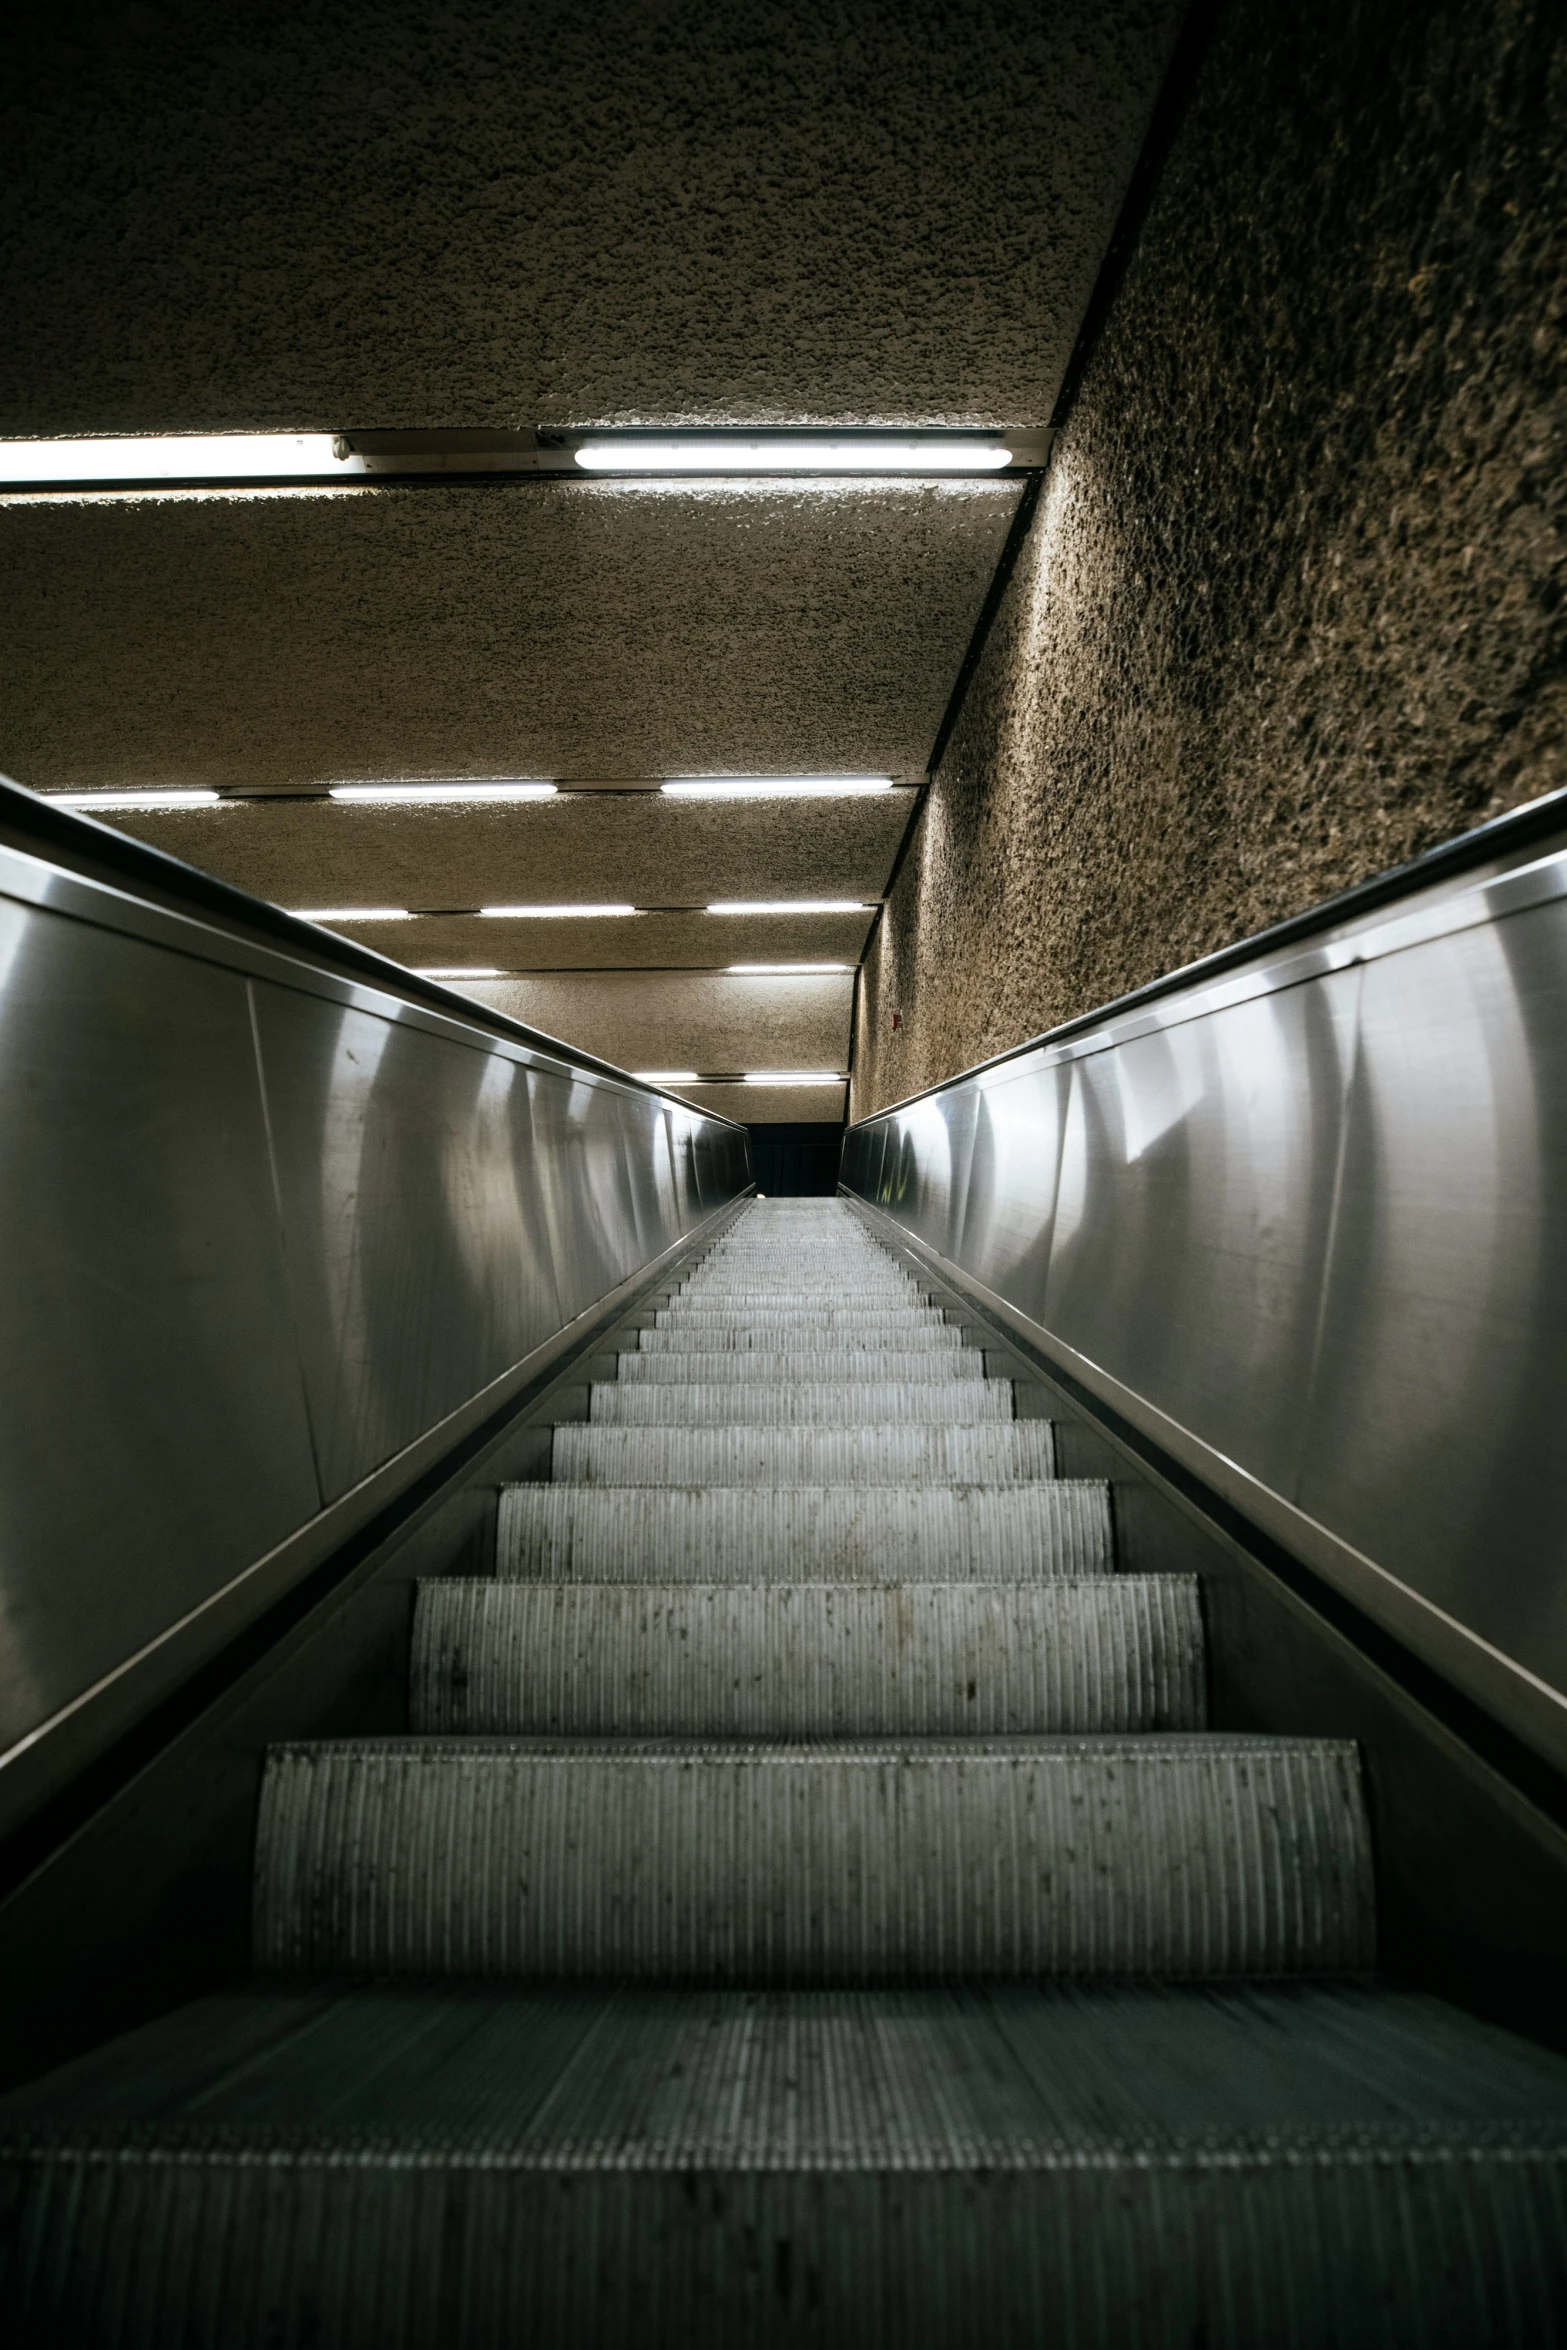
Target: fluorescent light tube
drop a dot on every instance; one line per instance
(793, 1077)
(185, 456)
(737, 452)
(785, 970)
(787, 906)
(133, 799)
(456, 971)
(351, 913)
(667, 1076)
(551, 913)
(411, 794)
(776, 787)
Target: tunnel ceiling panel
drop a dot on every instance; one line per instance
(683, 941)
(671, 1020)
(640, 848)
(770, 1105)
(394, 215)
(541, 629)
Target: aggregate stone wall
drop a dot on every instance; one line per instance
(1291, 608)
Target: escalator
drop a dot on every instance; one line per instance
(817, 1899)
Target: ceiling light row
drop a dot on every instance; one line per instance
(360, 458)
(686, 787)
(595, 913)
(746, 1077)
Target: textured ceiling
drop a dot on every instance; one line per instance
(550, 629)
(704, 1021)
(640, 848)
(295, 214)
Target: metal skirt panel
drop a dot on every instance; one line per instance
(268, 1233)
(836, 1534)
(1188, 1856)
(1307, 1226)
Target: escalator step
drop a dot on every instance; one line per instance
(1005, 1453)
(789, 1533)
(818, 1363)
(807, 1403)
(1119, 1653)
(879, 1861)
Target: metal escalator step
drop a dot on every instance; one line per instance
(781, 1660)
(713, 1334)
(768, 1404)
(942, 1365)
(882, 1860)
(1008, 1452)
(1088, 2166)
(791, 1533)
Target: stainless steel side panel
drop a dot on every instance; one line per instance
(266, 1234)
(1308, 1225)
(152, 1423)
(419, 1259)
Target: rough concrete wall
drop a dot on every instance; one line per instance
(1291, 608)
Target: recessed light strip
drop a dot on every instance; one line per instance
(666, 1076)
(793, 1077)
(785, 452)
(775, 787)
(785, 970)
(350, 913)
(407, 795)
(88, 800)
(789, 906)
(554, 913)
(456, 971)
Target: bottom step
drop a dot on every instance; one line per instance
(1127, 2168)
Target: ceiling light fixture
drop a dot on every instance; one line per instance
(552, 913)
(793, 1077)
(133, 799)
(793, 452)
(415, 794)
(776, 787)
(183, 456)
(788, 906)
(457, 971)
(666, 1076)
(350, 913)
(785, 970)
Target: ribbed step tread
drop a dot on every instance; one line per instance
(1086, 2166)
(710, 1334)
(770, 1404)
(995, 1453)
(799, 1289)
(944, 1367)
(793, 1533)
(1158, 1856)
(1120, 1654)
(846, 1322)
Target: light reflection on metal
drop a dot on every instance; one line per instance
(1306, 1224)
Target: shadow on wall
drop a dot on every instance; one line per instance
(796, 1161)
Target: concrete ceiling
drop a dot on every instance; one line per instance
(302, 216)
(296, 214)
(555, 629)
